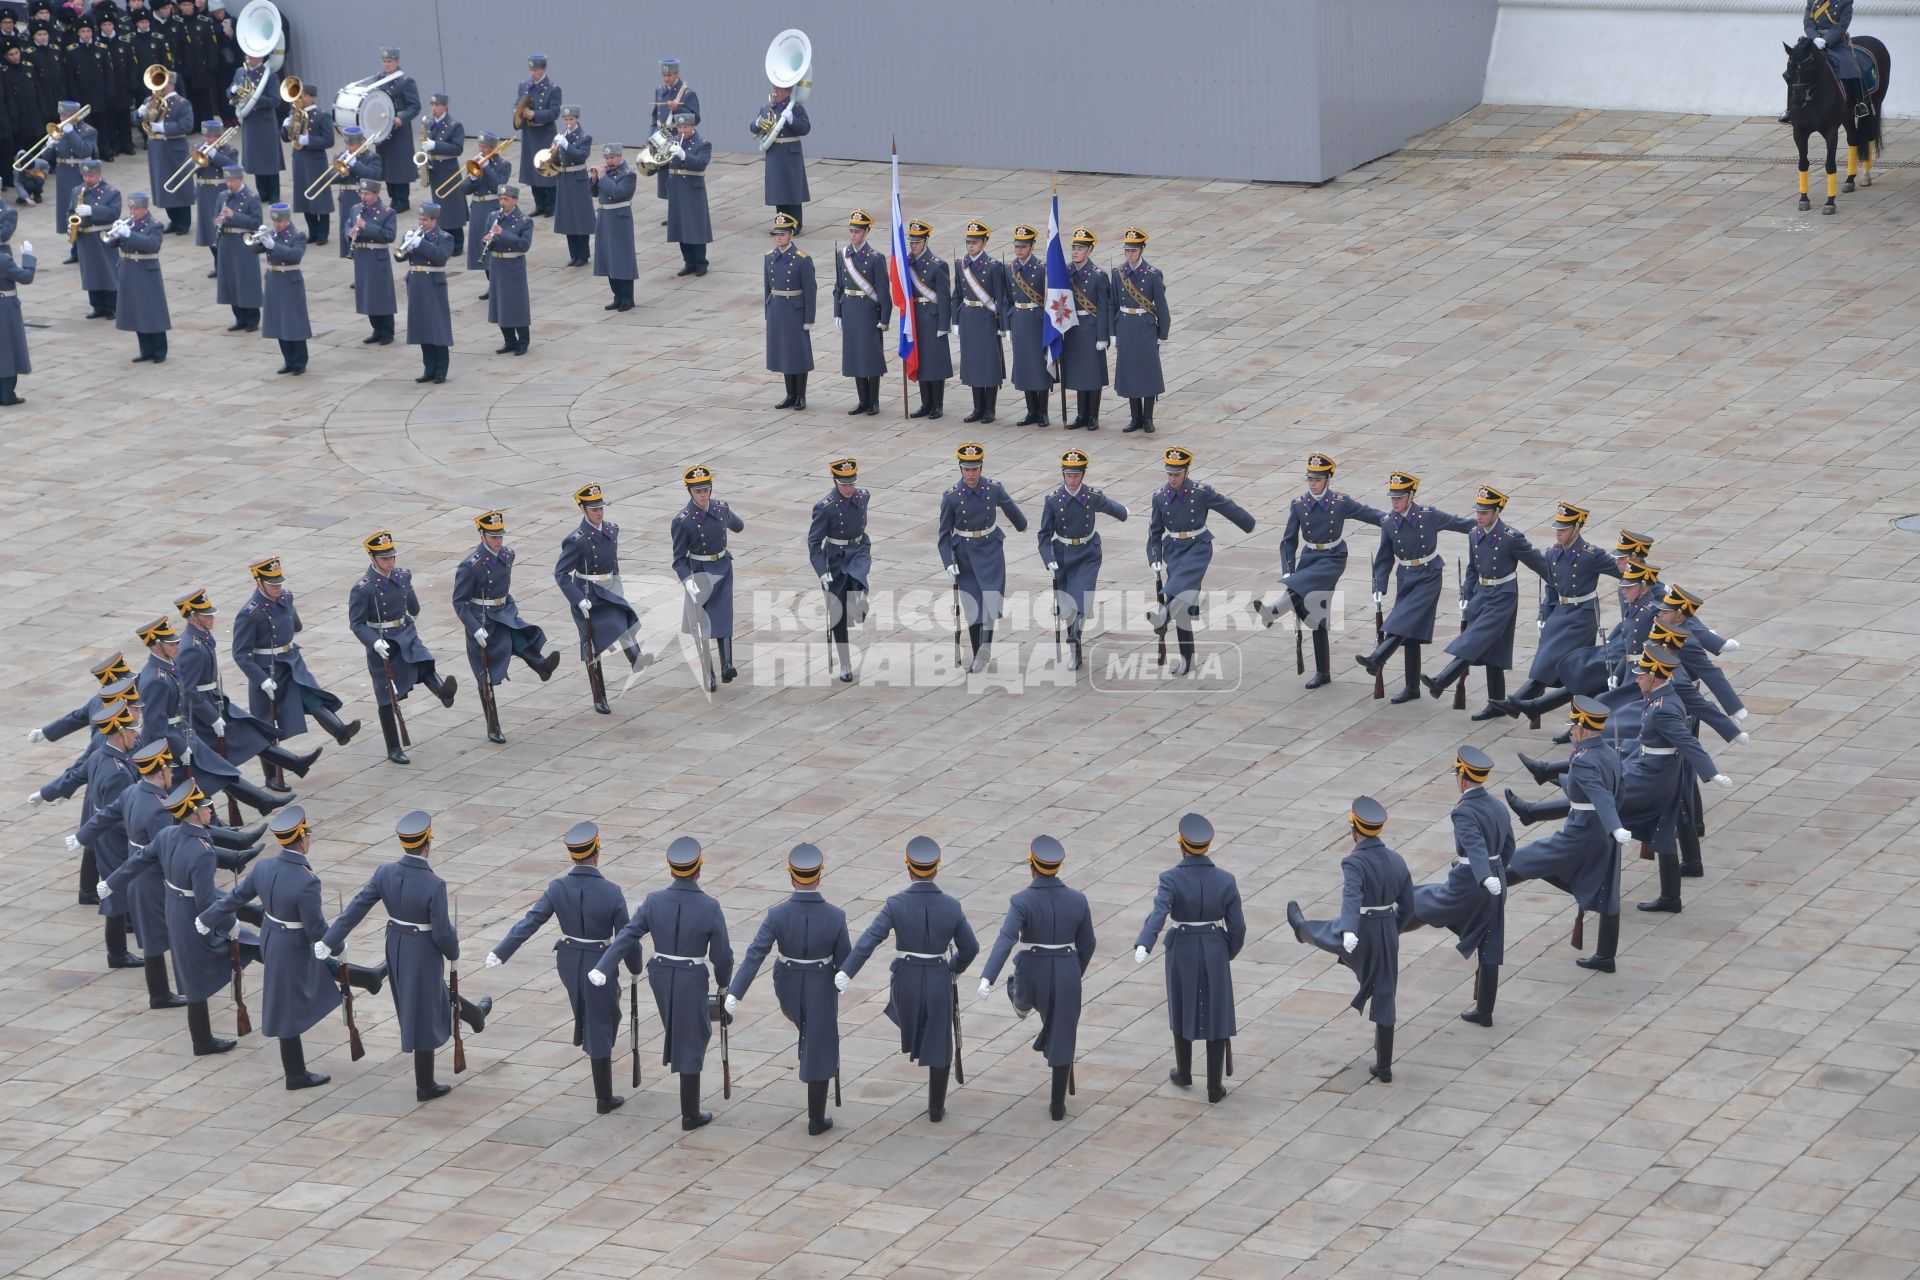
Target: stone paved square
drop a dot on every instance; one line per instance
(1647, 328)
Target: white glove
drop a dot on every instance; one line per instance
(1743, 740)
(84, 210)
(494, 961)
(480, 635)
(1741, 714)
(26, 247)
(73, 842)
(380, 647)
(1139, 955)
(841, 982)
(678, 152)
(1158, 566)
(200, 927)
(836, 324)
(986, 989)
(1819, 42)
(102, 890)
(940, 333)
(269, 688)
(35, 799)
(1100, 346)
(1730, 646)
(585, 606)
(34, 735)
(186, 755)
(1723, 780)
(1379, 596)
(1053, 566)
(826, 581)
(596, 977)
(219, 726)
(806, 328)
(954, 570)
(693, 589)
(306, 140)
(882, 326)
(730, 1004)
(1539, 624)
(65, 127)
(321, 951)
(1613, 682)
(1492, 885)
(1349, 942)
(1623, 835)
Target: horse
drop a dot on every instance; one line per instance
(1817, 103)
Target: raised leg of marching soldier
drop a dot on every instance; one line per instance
(591, 911)
(1053, 926)
(1583, 857)
(1376, 905)
(380, 612)
(1180, 547)
(1197, 905)
(588, 574)
(1471, 901)
(496, 633)
(807, 936)
(933, 944)
(187, 859)
(421, 939)
(689, 934)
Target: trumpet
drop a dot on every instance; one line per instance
(342, 165)
(523, 111)
(407, 244)
(198, 158)
(260, 235)
(474, 168)
(29, 154)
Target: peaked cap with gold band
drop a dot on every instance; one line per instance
(1085, 236)
(805, 864)
(1490, 499)
(1565, 513)
(159, 630)
(1662, 634)
(288, 826)
(1045, 855)
(153, 756)
(183, 799)
(1135, 238)
(1399, 482)
(1685, 601)
(415, 830)
(1176, 459)
(1319, 464)
(1024, 234)
(267, 570)
(582, 841)
(1633, 544)
(111, 668)
(1639, 571)
(1073, 460)
(1196, 835)
(195, 601)
(1369, 816)
(1473, 764)
(923, 857)
(697, 476)
(379, 544)
(860, 218)
(589, 495)
(971, 454)
(844, 468)
(683, 858)
(112, 719)
(1588, 713)
(491, 522)
(122, 690)
(978, 230)
(1657, 660)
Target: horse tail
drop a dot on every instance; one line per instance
(1873, 137)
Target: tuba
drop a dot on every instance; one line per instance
(261, 33)
(156, 78)
(290, 91)
(789, 59)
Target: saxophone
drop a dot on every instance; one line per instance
(422, 157)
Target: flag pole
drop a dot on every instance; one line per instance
(1061, 364)
(906, 298)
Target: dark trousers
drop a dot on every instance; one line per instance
(694, 255)
(6, 391)
(293, 355)
(153, 346)
(105, 302)
(382, 326)
(179, 221)
(622, 294)
(796, 212)
(579, 250)
(318, 228)
(434, 359)
(543, 201)
(267, 186)
(397, 196)
(459, 235)
(514, 340)
(246, 318)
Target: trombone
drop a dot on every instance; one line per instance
(199, 158)
(474, 168)
(341, 166)
(28, 155)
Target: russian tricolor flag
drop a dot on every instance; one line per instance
(902, 289)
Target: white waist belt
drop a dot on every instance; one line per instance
(274, 267)
(1658, 751)
(279, 648)
(1184, 534)
(1026, 306)
(137, 257)
(922, 955)
(1495, 582)
(1467, 862)
(409, 924)
(661, 955)
(788, 293)
(971, 533)
(1375, 911)
(239, 231)
(1135, 311)
(1073, 542)
(695, 555)
(284, 924)
(1579, 807)
(844, 542)
(1325, 546)
(185, 893)
(783, 958)
(1417, 561)
(585, 942)
(497, 255)
(391, 626)
(208, 688)
(419, 269)
(491, 604)
(1050, 946)
(1199, 924)
(593, 577)
(969, 302)
(1591, 595)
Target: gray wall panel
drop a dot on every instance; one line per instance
(1282, 90)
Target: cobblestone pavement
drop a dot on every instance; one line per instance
(1663, 339)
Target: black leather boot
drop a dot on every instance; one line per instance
(1322, 659)
(818, 1122)
(1411, 690)
(256, 798)
(1488, 985)
(118, 957)
(281, 758)
(925, 408)
(367, 977)
(89, 877)
(1537, 811)
(727, 670)
(1149, 414)
(1669, 899)
(1531, 689)
(1496, 690)
(799, 390)
(342, 731)
(1534, 708)
(391, 732)
(1690, 865)
(987, 397)
(1296, 921)
(1382, 1068)
(293, 1063)
(1093, 410)
(1079, 419)
(983, 651)
(200, 1027)
(1216, 1065)
(1182, 1073)
(691, 1116)
(603, 1096)
(475, 1015)
(236, 837)
(1543, 771)
(441, 687)
(979, 410)
(791, 396)
(159, 995)
(1057, 1104)
(1134, 420)
(1603, 950)
(1370, 663)
(1031, 417)
(937, 1094)
(424, 1087)
(236, 860)
(544, 665)
(1456, 669)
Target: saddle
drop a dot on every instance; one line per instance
(1856, 69)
